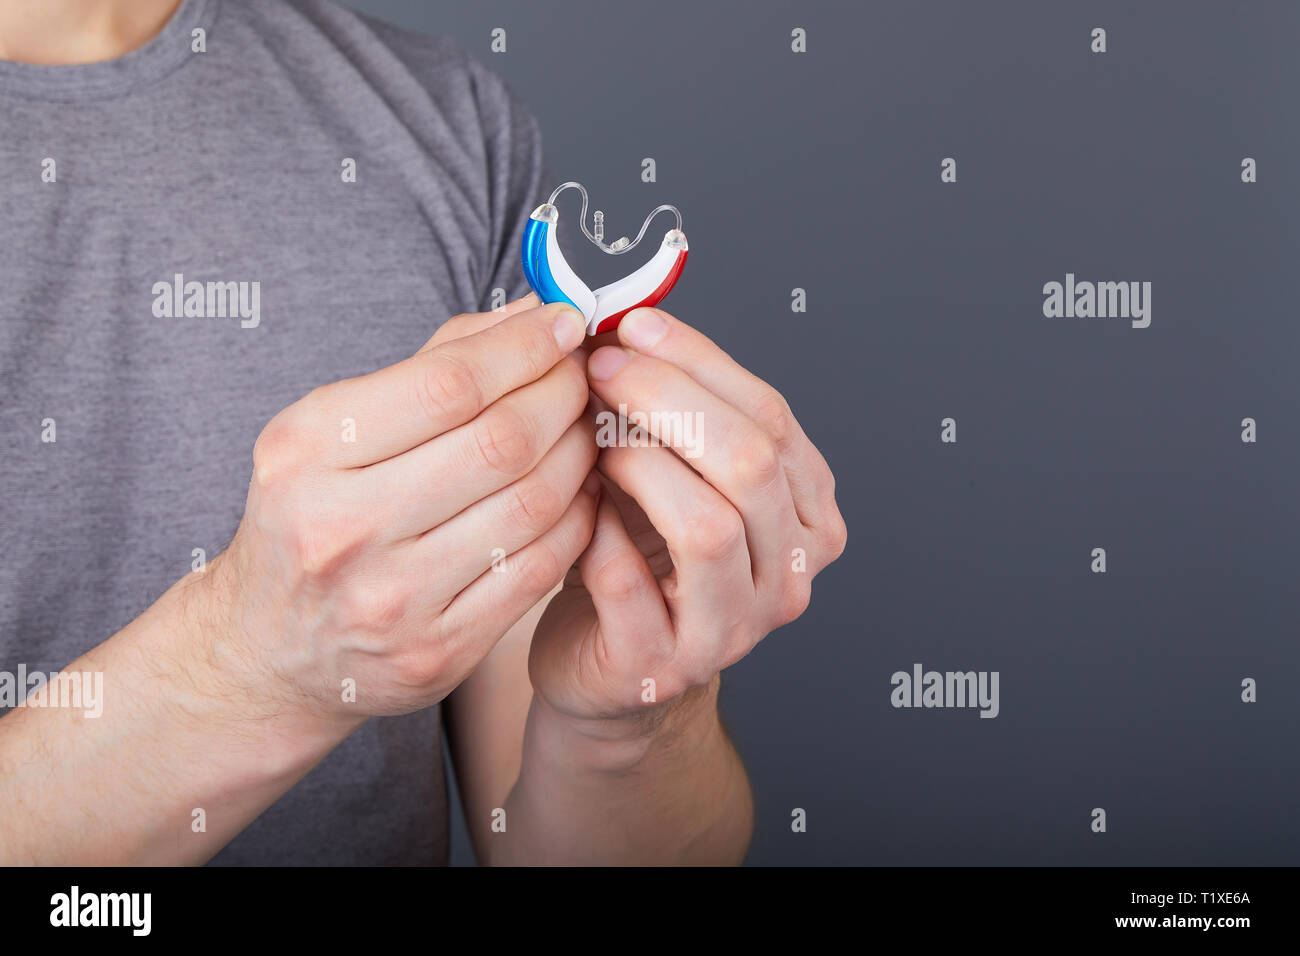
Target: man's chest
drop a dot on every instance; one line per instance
(156, 310)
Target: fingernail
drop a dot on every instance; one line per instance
(592, 484)
(570, 329)
(642, 328)
(606, 363)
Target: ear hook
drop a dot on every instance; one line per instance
(619, 246)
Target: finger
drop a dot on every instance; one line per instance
(656, 333)
(459, 326)
(624, 590)
(461, 549)
(501, 596)
(404, 405)
(712, 585)
(420, 489)
(530, 301)
(715, 438)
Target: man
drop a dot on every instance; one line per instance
(217, 209)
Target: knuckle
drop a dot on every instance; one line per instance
(534, 506)
(373, 607)
(540, 570)
(460, 324)
(538, 345)
(315, 553)
(504, 442)
(282, 447)
(421, 668)
(320, 544)
(822, 476)
(736, 644)
(736, 652)
(796, 595)
(621, 577)
(447, 391)
(672, 679)
(312, 407)
(773, 415)
(757, 462)
(695, 667)
(272, 452)
(837, 533)
(714, 535)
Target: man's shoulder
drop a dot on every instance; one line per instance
(372, 46)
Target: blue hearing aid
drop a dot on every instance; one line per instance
(551, 277)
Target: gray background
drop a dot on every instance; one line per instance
(821, 171)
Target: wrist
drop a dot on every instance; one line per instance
(214, 684)
(687, 727)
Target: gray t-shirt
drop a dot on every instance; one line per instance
(228, 166)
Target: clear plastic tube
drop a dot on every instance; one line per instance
(619, 246)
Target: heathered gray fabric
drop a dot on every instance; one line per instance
(225, 166)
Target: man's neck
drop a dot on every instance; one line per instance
(53, 32)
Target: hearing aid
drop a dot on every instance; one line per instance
(553, 279)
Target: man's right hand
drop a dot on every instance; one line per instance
(367, 560)
(381, 509)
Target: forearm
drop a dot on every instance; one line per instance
(668, 788)
(181, 730)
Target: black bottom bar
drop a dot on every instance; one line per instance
(303, 906)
